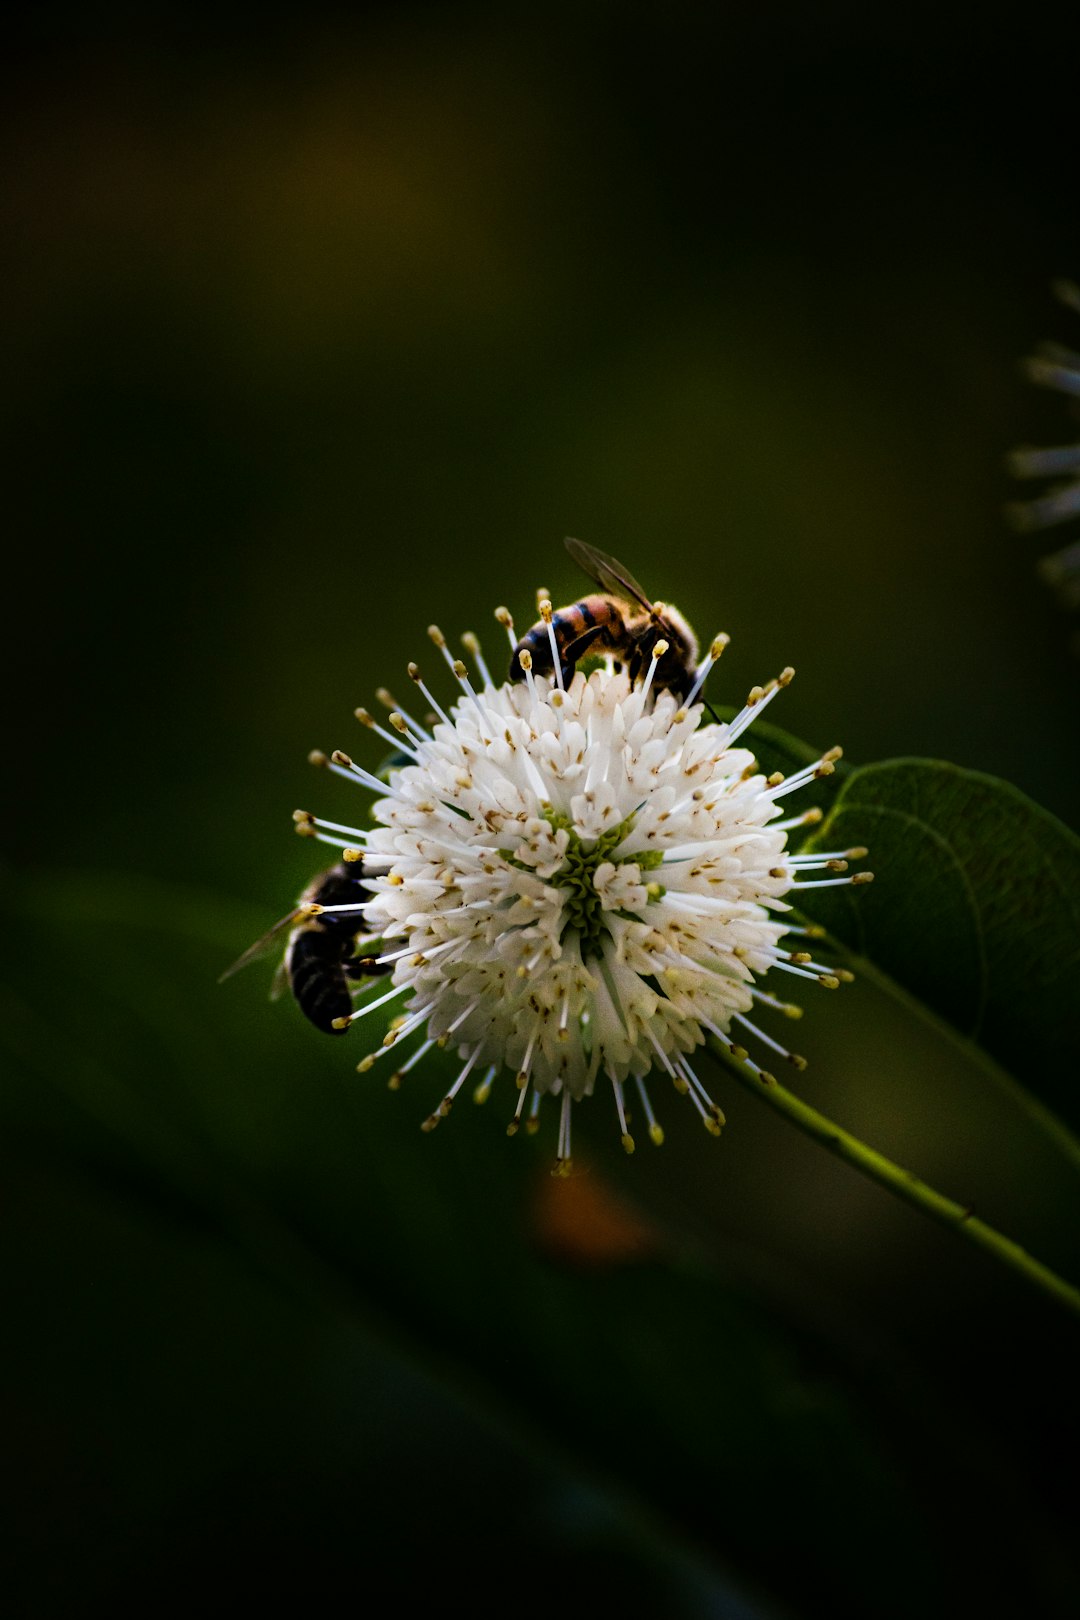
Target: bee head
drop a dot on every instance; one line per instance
(677, 666)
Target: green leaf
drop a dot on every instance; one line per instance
(974, 910)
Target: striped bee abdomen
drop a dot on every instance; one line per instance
(594, 623)
(317, 977)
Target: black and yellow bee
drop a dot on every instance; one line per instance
(621, 622)
(320, 959)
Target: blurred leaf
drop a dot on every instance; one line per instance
(974, 910)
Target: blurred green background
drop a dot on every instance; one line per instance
(322, 330)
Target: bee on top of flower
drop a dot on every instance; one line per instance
(1057, 368)
(574, 878)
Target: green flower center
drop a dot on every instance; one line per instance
(584, 912)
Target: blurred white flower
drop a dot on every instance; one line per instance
(1058, 368)
(579, 886)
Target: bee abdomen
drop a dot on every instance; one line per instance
(317, 978)
(569, 624)
(536, 642)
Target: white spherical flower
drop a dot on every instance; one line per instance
(577, 886)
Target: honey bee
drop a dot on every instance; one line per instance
(320, 953)
(621, 622)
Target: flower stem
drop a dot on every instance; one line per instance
(901, 1182)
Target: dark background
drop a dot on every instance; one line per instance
(316, 331)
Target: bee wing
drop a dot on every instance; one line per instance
(261, 946)
(608, 573)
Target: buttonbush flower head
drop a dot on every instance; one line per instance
(1058, 368)
(574, 886)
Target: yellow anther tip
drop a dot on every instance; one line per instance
(627, 1142)
(436, 635)
(829, 980)
(863, 877)
(365, 1064)
(351, 856)
(656, 1135)
(713, 1126)
(317, 757)
(339, 1023)
(562, 1168)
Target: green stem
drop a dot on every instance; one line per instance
(900, 1181)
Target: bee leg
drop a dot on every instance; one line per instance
(366, 967)
(576, 651)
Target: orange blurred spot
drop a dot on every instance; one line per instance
(581, 1220)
